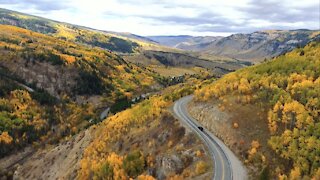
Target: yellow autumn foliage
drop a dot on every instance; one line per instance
(289, 87)
(5, 138)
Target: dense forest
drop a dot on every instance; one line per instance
(98, 71)
(289, 86)
(32, 118)
(43, 116)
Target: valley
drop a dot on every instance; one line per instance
(77, 102)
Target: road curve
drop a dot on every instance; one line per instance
(226, 165)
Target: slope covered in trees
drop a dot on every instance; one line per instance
(146, 142)
(69, 67)
(59, 71)
(36, 117)
(69, 32)
(289, 87)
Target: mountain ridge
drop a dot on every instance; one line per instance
(254, 47)
(118, 42)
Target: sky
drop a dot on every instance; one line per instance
(177, 17)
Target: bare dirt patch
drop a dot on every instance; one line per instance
(59, 162)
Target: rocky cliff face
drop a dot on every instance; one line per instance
(53, 79)
(259, 45)
(254, 47)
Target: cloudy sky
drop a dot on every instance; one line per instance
(176, 17)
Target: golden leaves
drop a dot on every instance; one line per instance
(97, 153)
(5, 138)
(290, 86)
(201, 167)
(146, 177)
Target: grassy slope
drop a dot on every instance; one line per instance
(285, 93)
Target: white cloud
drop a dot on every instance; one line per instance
(167, 17)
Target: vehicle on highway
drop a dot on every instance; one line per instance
(201, 128)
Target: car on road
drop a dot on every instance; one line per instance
(200, 128)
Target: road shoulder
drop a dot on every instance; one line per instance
(238, 169)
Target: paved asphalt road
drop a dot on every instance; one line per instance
(226, 165)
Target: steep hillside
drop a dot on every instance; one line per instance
(144, 141)
(62, 67)
(68, 81)
(63, 77)
(32, 116)
(272, 114)
(118, 42)
(259, 45)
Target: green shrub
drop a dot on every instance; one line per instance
(43, 97)
(90, 83)
(134, 164)
(120, 104)
(105, 172)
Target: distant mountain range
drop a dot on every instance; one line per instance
(185, 42)
(252, 47)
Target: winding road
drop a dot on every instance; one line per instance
(226, 165)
